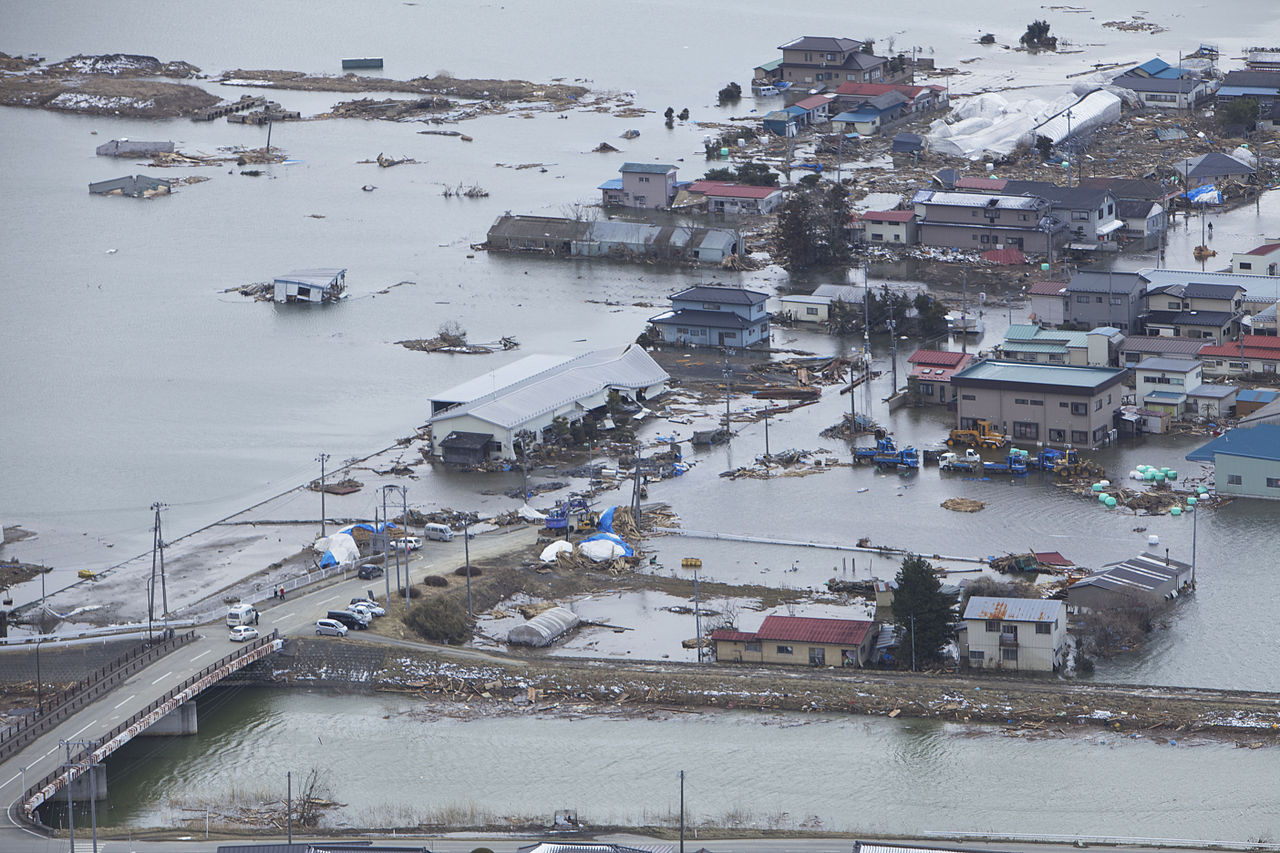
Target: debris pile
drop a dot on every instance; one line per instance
(337, 487)
(963, 505)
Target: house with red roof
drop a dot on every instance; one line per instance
(931, 372)
(1251, 354)
(801, 640)
(897, 227)
(1263, 260)
(817, 109)
(730, 198)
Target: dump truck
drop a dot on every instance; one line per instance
(1050, 459)
(907, 457)
(1014, 463)
(884, 447)
(982, 434)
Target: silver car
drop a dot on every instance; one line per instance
(331, 628)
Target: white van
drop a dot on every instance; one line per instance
(241, 614)
(438, 532)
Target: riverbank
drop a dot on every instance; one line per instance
(470, 684)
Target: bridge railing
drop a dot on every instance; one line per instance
(82, 757)
(62, 704)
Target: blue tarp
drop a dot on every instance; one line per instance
(612, 537)
(606, 520)
(1208, 194)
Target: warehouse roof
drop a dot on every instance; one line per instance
(1041, 374)
(1145, 572)
(1254, 442)
(577, 378)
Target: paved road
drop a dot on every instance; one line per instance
(295, 616)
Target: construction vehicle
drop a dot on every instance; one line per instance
(1014, 463)
(982, 434)
(884, 447)
(952, 461)
(1050, 459)
(558, 518)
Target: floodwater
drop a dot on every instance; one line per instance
(129, 377)
(390, 764)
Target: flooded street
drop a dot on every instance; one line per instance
(394, 766)
(131, 376)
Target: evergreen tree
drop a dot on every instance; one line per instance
(922, 610)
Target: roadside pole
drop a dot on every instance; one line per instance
(466, 550)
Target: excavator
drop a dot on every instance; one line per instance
(982, 434)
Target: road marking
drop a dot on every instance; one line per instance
(163, 677)
(47, 754)
(288, 615)
(331, 598)
(86, 726)
(15, 776)
(126, 700)
(202, 654)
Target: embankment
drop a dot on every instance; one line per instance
(492, 684)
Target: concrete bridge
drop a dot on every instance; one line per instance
(62, 749)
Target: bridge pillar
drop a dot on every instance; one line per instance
(179, 721)
(80, 791)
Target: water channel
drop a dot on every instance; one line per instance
(392, 763)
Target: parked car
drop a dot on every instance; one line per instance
(240, 633)
(438, 532)
(331, 628)
(362, 610)
(407, 543)
(350, 618)
(241, 614)
(369, 604)
(369, 571)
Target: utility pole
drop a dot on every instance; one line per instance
(466, 550)
(322, 458)
(893, 350)
(697, 613)
(766, 436)
(71, 807)
(964, 309)
(728, 393)
(913, 642)
(386, 578)
(681, 811)
(288, 776)
(88, 765)
(157, 551)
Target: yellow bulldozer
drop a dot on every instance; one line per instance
(982, 434)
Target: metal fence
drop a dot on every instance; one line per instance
(258, 594)
(64, 703)
(34, 796)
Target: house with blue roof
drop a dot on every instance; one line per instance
(1161, 86)
(781, 123)
(1246, 461)
(713, 316)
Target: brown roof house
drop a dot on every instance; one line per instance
(799, 640)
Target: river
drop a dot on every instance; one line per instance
(392, 764)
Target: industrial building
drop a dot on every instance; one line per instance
(475, 429)
(1144, 582)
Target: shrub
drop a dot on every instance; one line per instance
(440, 620)
(461, 572)
(435, 580)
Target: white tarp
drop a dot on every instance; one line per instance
(601, 550)
(341, 545)
(528, 513)
(990, 125)
(1244, 155)
(555, 549)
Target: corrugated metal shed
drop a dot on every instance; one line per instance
(806, 629)
(544, 628)
(1253, 442)
(132, 148)
(1014, 609)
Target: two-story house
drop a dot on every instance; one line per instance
(712, 316)
(1105, 298)
(981, 221)
(1030, 343)
(1194, 310)
(1261, 260)
(1041, 403)
(1163, 383)
(1021, 634)
(826, 62)
(1161, 86)
(1142, 206)
(1251, 355)
(645, 185)
(1090, 212)
(731, 198)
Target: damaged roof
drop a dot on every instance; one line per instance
(1014, 609)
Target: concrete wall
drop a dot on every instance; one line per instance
(1252, 475)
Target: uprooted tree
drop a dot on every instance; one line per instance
(1037, 36)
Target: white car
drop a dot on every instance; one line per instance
(407, 543)
(240, 633)
(363, 611)
(331, 628)
(372, 607)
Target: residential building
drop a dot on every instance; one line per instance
(1134, 349)
(488, 426)
(826, 62)
(1211, 168)
(1262, 86)
(1041, 403)
(1161, 92)
(1250, 400)
(1212, 401)
(1142, 206)
(886, 226)
(611, 238)
(1194, 310)
(916, 99)
(1090, 212)
(817, 109)
(781, 123)
(711, 316)
(1246, 461)
(644, 185)
(1163, 383)
(134, 186)
(1269, 413)
(868, 115)
(729, 198)
(314, 285)
(1260, 317)
(801, 640)
(1020, 634)
(1048, 302)
(1144, 583)
(1105, 298)
(1251, 355)
(1028, 342)
(1255, 286)
(1262, 260)
(133, 148)
(970, 221)
(931, 372)
(816, 307)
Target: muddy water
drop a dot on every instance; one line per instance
(389, 766)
